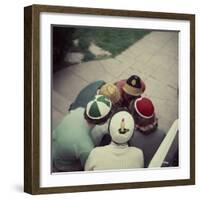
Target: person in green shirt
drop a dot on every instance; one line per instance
(72, 141)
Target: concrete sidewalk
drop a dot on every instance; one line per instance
(154, 58)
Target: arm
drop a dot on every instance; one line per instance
(89, 165)
(98, 133)
(84, 151)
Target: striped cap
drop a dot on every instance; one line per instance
(99, 107)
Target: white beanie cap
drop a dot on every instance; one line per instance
(121, 127)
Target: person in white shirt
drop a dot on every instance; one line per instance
(117, 155)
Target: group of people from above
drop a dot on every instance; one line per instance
(102, 127)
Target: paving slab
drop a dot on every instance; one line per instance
(113, 67)
(151, 43)
(126, 58)
(60, 102)
(91, 71)
(147, 68)
(68, 84)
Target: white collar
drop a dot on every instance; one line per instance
(119, 145)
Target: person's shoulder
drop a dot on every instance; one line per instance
(76, 111)
(73, 113)
(120, 82)
(136, 150)
(70, 120)
(99, 150)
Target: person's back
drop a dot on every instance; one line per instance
(115, 157)
(149, 143)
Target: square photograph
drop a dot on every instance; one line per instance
(114, 98)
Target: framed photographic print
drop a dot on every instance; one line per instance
(109, 99)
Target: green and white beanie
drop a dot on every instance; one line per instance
(121, 127)
(98, 108)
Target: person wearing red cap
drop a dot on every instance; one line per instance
(144, 115)
(130, 89)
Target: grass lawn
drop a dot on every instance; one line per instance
(114, 40)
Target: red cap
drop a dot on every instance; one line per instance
(144, 107)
